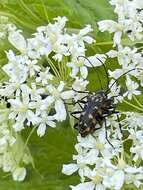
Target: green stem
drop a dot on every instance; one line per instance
(125, 140)
(140, 48)
(6, 175)
(103, 43)
(61, 67)
(45, 11)
(53, 67)
(60, 70)
(17, 19)
(132, 105)
(27, 10)
(138, 162)
(138, 102)
(25, 146)
(27, 140)
(65, 68)
(124, 42)
(26, 143)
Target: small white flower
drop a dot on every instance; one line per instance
(59, 96)
(18, 41)
(8, 162)
(69, 169)
(44, 77)
(82, 36)
(41, 104)
(60, 50)
(9, 88)
(21, 111)
(132, 88)
(33, 68)
(115, 91)
(84, 186)
(135, 178)
(95, 60)
(133, 120)
(45, 122)
(3, 144)
(112, 27)
(81, 167)
(16, 70)
(36, 93)
(38, 46)
(19, 174)
(115, 181)
(78, 65)
(79, 84)
(18, 126)
(137, 150)
(97, 145)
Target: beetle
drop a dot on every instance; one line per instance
(96, 107)
(95, 110)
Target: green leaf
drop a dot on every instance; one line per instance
(49, 153)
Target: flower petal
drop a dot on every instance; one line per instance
(69, 169)
(60, 110)
(83, 186)
(61, 86)
(19, 174)
(84, 72)
(18, 41)
(117, 38)
(51, 124)
(67, 94)
(41, 129)
(74, 71)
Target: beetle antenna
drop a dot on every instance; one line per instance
(94, 69)
(122, 76)
(107, 76)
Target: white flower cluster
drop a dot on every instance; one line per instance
(45, 75)
(130, 60)
(5, 27)
(130, 20)
(99, 165)
(135, 128)
(131, 65)
(32, 90)
(12, 160)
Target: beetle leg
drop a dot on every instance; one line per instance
(110, 112)
(78, 101)
(84, 97)
(118, 119)
(82, 101)
(98, 128)
(75, 126)
(74, 116)
(81, 91)
(106, 134)
(74, 113)
(80, 105)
